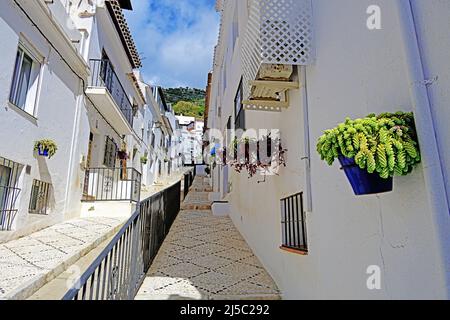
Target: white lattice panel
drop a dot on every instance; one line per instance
(278, 32)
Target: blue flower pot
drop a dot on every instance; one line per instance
(362, 182)
(43, 152)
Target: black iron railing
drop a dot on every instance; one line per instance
(104, 76)
(188, 180)
(120, 269)
(8, 211)
(293, 223)
(112, 184)
(10, 172)
(40, 195)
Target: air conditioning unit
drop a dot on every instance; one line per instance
(279, 38)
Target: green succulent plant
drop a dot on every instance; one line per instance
(386, 144)
(144, 159)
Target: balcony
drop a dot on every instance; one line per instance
(112, 184)
(109, 96)
(279, 37)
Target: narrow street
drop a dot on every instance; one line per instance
(205, 257)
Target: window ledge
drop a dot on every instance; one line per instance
(22, 113)
(301, 252)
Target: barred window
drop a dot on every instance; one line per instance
(110, 153)
(39, 201)
(239, 111)
(293, 224)
(9, 192)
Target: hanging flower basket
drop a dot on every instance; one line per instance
(373, 150)
(45, 148)
(251, 151)
(122, 154)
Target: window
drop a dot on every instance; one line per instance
(110, 153)
(9, 192)
(149, 131)
(25, 81)
(153, 140)
(239, 110)
(40, 192)
(293, 224)
(228, 133)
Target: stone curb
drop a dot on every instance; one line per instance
(30, 287)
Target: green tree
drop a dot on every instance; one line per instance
(189, 109)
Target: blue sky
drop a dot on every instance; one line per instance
(176, 40)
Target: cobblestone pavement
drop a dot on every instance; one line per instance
(28, 263)
(205, 257)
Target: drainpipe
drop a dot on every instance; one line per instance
(431, 160)
(307, 147)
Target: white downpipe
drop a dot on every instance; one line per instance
(432, 165)
(307, 145)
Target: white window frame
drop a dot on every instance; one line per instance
(34, 82)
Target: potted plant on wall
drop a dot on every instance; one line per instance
(46, 147)
(372, 150)
(144, 158)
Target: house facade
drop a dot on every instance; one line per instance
(299, 68)
(70, 76)
(191, 131)
(42, 76)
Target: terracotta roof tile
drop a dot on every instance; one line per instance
(124, 31)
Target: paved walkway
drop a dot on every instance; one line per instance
(28, 263)
(205, 257)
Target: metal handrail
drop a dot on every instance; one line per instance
(133, 249)
(74, 291)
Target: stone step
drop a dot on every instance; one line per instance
(201, 207)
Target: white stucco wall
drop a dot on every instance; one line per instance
(356, 72)
(56, 110)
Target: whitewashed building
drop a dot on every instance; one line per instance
(191, 131)
(42, 72)
(69, 74)
(344, 58)
(109, 130)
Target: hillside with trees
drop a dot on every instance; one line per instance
(188, 102)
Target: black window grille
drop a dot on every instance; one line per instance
(40, 194)
(110, 153)
(9, 192)
(293, 223)
(239, 110)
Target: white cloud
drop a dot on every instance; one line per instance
(176, 40)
